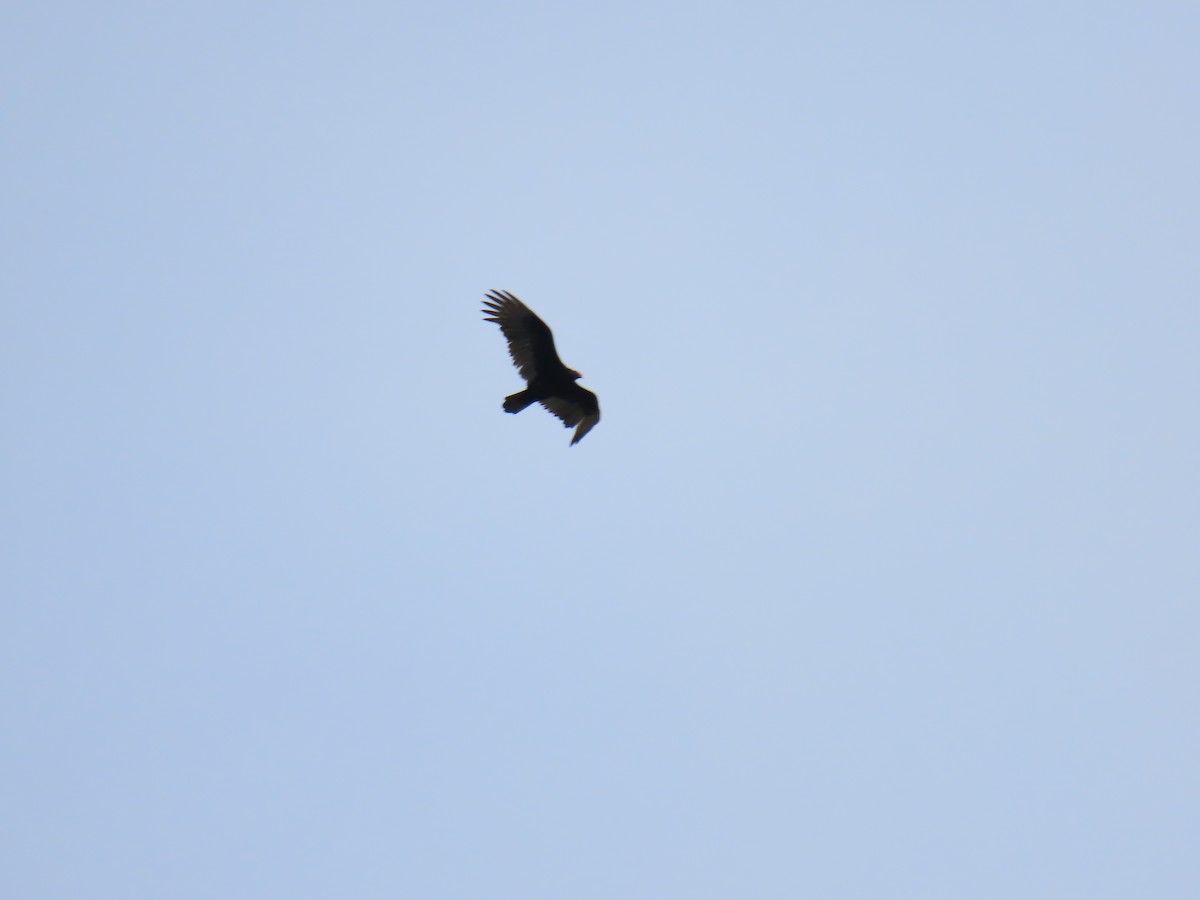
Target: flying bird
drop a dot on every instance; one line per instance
(550, 383)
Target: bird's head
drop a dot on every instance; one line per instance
(575, 375)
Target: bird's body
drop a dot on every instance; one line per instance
(549, 382)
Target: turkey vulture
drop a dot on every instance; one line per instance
(531, 345)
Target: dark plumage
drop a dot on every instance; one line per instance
(550, 383)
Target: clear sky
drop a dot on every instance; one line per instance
(880, 577)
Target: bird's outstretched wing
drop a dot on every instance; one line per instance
(530, 341)
(578, 406)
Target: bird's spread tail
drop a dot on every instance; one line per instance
(514, 403)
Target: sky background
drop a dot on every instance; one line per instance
(880, 577)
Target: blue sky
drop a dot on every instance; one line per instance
(878, 578)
